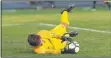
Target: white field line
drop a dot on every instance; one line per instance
(10, 25)
(52, 25)
(78, 28)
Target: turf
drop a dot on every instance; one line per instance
(17, 24)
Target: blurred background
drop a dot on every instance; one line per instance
(91, 18)
(41, 4)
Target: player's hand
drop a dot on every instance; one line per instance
(73, 33)
(64, 38)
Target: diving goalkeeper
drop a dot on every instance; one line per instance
(53, 41)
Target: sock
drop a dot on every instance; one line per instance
(64, 17)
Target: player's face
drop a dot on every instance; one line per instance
(41, 42)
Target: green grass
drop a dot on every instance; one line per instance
(14, 37)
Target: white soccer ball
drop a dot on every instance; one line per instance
(74, 46)
(71, 46)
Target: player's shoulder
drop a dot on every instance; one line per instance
(44, 33)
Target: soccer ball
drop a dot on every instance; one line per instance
(74, 47)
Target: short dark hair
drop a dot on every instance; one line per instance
(34, 40)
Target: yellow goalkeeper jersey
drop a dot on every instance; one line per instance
(52, 42)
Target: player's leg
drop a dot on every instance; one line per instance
(61, 29)
(64, 19)
(108, 4)
(64, 16)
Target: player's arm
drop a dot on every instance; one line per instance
(61, 29)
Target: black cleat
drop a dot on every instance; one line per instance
(71, 6)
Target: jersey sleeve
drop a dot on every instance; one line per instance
(63, 44)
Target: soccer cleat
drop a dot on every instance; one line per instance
(71, 6)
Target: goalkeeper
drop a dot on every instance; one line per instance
(52, 41)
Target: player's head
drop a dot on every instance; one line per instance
(34, 40)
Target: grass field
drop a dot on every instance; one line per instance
(17, 24)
